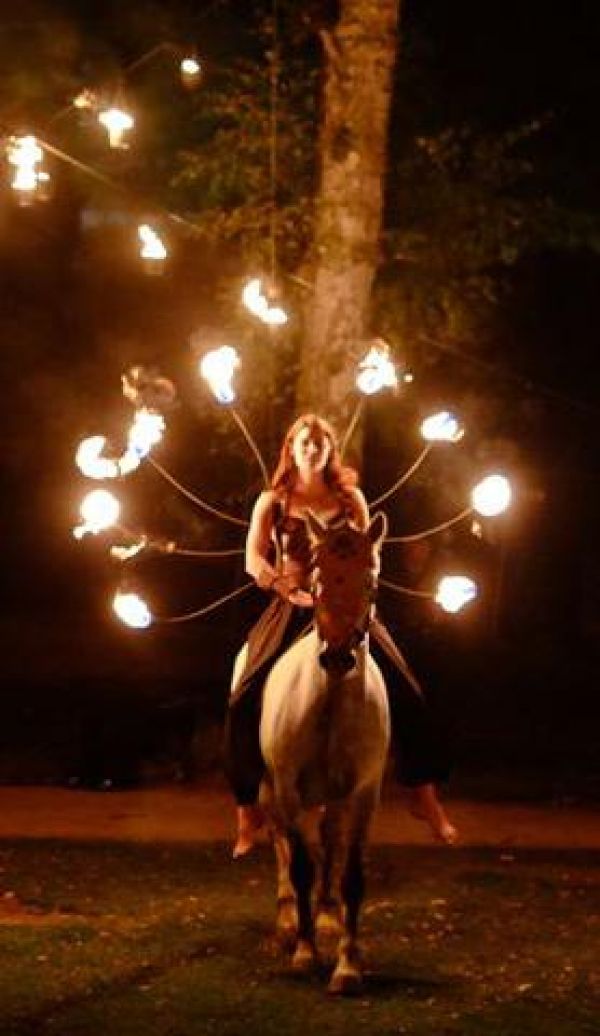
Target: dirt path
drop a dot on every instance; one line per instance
(205, 814)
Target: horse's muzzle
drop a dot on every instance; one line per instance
(337, 661)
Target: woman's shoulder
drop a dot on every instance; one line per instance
(266, 503)
(357, 505)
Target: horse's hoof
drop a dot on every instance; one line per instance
(328, 923)
(345, 982)
(304, 959)
(287, 920)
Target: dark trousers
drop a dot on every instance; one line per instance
(417, 752)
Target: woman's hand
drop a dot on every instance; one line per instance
(287, 587)
(301, 598)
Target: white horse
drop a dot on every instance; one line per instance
(324, 737)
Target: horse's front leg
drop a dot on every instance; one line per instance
(347, 975)
(301, 872)
(287, 911)
(329, 904)
(287, 914)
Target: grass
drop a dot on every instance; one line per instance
(177, 941)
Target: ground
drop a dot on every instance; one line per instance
(206, 814)
(123, 913)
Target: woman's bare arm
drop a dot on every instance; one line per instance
(258, 540)
(258, 543)
(360, 509)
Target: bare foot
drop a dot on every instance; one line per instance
(425, 805)
(250, 819)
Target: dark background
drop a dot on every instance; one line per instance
(514, 680)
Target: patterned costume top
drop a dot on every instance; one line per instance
(291, 534)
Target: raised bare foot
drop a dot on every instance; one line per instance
(425, 805)
(250, 819)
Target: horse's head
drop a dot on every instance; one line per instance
(344, 581)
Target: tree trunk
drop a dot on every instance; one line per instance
(360, 55)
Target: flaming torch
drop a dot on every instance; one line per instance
(145, 432)
(442, 427)
(218, 367)
(90, 461)
(132, 610)
(376, 370)
(491, 496)
(152, 249)
(99, 510)
(116, 122)
(190, 70)
(258, 304)
(26, 154)
(454, 592)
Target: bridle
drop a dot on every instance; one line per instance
(344, 586)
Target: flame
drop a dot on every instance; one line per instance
(132, 610)
(25, 154)
(258, 304)
(144, 433)
(128, 462)
(454, 592)
(217, 368)
(276, 316)
(90, 462)
(125, 553)
(491, 496)
(152, 246)
(251, 296)
(99, 510)
(376, 371)
(442, 427)
(85, 99)
(190, 68)
(116, 122)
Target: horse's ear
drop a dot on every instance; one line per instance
(378, 528)
(316, 528)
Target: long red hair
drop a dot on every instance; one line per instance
(336, 475)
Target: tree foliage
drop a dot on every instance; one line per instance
(466, 206)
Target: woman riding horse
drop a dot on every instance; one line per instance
(310, 477)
